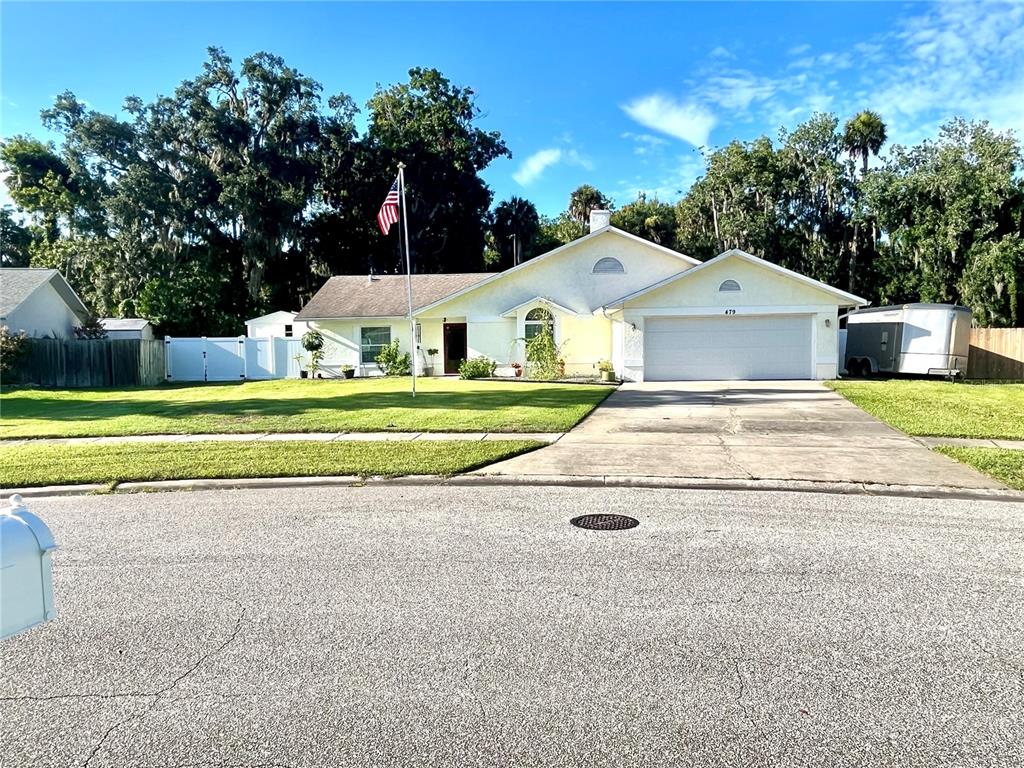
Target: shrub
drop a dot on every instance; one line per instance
(92, 328)
(392, 362)
(13, 347)
(477, 368)
(543, 355)
(312, 341)
(605, 366)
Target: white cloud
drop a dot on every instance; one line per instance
(738, 89)
(533, 167)
(645, 143)
(689, 121)
(678, 177)
(721, 52)
(796, 50)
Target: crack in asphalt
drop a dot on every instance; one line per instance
(156, 695)
(741, 687)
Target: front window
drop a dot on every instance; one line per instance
(537, 319)
(371, 340)
(287, 330)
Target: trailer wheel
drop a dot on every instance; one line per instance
(853, 366)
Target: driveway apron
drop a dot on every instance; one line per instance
(757, 430)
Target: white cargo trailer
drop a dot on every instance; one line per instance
(926, 339)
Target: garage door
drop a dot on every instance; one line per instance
(722, 348)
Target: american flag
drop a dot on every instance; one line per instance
(389, 211)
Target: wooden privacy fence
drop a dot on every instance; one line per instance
(90, 363)
(996, 353)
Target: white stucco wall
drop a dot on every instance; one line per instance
(764, 291)
(342, 338)
(44, 313)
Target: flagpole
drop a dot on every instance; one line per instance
(408, 274)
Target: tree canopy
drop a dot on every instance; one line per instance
(244, 189)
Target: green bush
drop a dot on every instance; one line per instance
(392, 362)
(13, 347)
(477, 368)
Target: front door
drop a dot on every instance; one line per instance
(454, 346)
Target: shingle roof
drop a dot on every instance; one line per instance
(124, 323)
(17, 284)
(384, 296)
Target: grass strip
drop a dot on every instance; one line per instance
(27, 465)
(1004, 464)
(941, 408)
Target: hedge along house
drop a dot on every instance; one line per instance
(609, 295)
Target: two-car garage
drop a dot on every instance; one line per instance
(729, 347)
(734, 317)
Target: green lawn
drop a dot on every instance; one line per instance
(353, 405)
(1003, 464)
(941, 408)
(55, 464)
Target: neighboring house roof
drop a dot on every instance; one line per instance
(124, 323)
(281, 314)
(18, 284)
(511, 311)
(383, 295)
(846, 299)
(572, 244)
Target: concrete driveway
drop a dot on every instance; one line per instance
(423, 627)
(752, 430)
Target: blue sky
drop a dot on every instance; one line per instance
(617, 95)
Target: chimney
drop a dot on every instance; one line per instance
(599, 219)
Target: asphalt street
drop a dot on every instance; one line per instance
(473, 626)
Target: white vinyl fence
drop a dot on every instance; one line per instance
(231, 358)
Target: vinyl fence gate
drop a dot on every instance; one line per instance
(231, 358)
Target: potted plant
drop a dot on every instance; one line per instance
(303, 373)
(607, 370)
(348, 371)
(428, 370)
(517, 368)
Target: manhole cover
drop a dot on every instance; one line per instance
(605, 522)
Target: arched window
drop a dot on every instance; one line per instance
(729, 286)
(539, 318)
(608, 266)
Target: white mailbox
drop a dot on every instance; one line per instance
(26, 575)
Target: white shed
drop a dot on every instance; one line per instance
(275, 325)
(128, 328)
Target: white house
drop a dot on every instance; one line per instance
(39, 302)
(654, 313)
(275, 325)
(128, 328)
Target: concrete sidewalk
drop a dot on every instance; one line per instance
(268, 437)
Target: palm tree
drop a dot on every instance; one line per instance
(584, 200)
(863, 136)
(515, 227)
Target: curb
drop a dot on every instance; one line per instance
(566, 481)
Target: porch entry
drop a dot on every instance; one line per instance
(454, 346)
